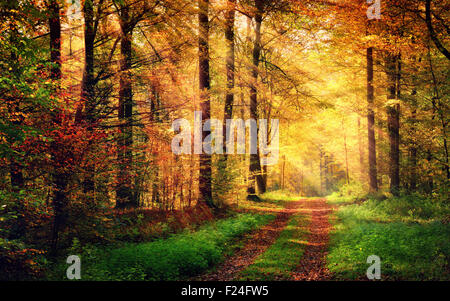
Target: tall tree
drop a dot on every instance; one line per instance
(393, 113)
(373, 184)
(205, 191)
(124, 191)
(230, 61)
(361, 152)
(60, 175)
(88, 84)
(255, 171)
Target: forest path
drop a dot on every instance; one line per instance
(313, 262)
(258, 242)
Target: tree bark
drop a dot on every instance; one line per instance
(88, 76)
(230, 62)
(88, 85)
(124, 191)
(60, 177)
(255, 171)
(205, 176)
(347, 176)
(322, 172)
(393, 113)
(373, 185)
(361, 152)
(230, 69)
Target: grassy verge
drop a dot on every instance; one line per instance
(282, 257)
(272, 201)
(408, 233)
(180, 256)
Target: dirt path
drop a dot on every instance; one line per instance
(313, 262)
(256, 245)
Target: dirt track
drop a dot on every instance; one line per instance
(256, 245)
(313, 262)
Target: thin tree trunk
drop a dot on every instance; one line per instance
(88, 76)
(361, 151)
(413, 166)
(380, 155)
(230, 64)
(88, 84)
(283, 170)
(373, 185)
(347, 176)
(60, 178)
(255, 171)
(155, 107)
(322, 173)
(393, 113)
(124, 191)
(327, 162)
(413, 148)
(205, 191)
(230, 70)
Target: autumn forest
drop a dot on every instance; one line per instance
(220, 140)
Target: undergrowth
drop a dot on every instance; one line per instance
(177, 257)
(410, 234)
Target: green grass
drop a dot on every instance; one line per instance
(282, 257)
(178, 257)
(272, 201)
(407, 233)
(348, 193)
(277, 196)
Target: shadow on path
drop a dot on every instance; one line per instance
(313, 262)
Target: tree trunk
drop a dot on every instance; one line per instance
(393, 113)
(155, 107)
(347, 176)
(255, 164)
(361, 152)
(205, 191)
(283, 169)
(381, 160)
(88, 76)
(124, 191)
(322, 173)
(327, 162)
(413, 147)
(413, 166)
(373, 185)
(230, 64)
(230, 69)
(88, 93)
(60, 178)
